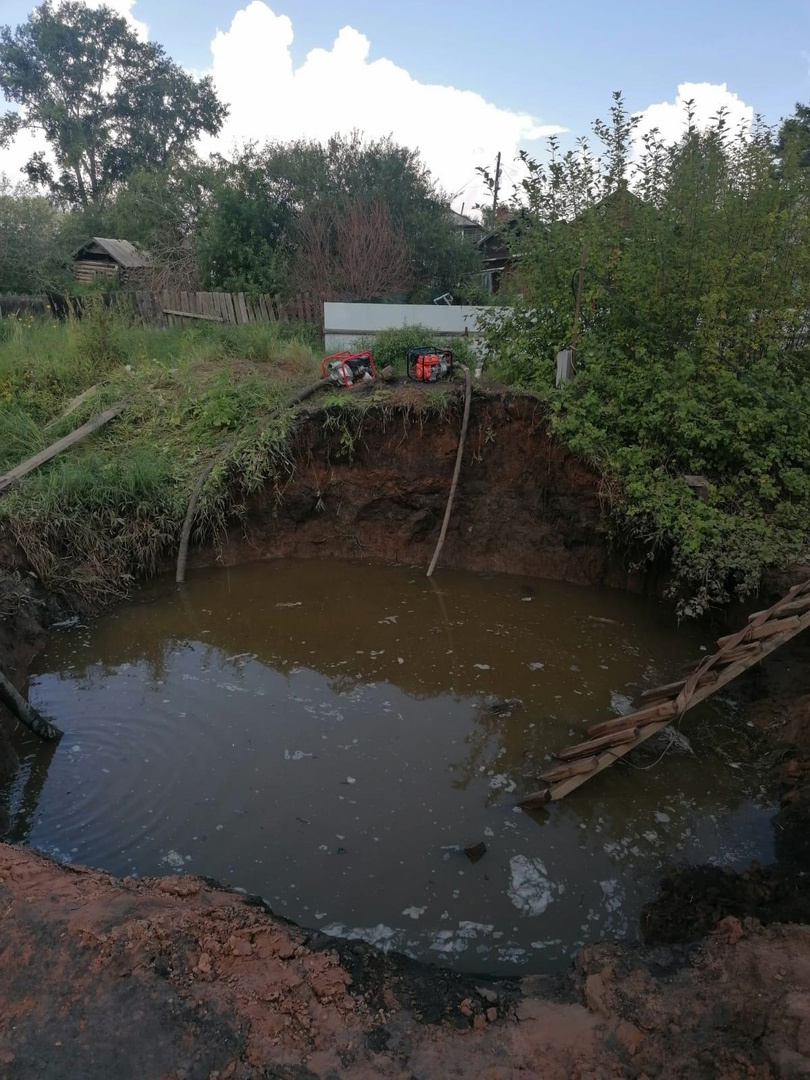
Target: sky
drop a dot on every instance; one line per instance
(463, 80)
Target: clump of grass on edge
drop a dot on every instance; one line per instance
(110, 509)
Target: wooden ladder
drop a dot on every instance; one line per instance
(610, 740)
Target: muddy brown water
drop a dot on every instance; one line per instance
(331, 735)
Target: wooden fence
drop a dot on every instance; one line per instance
(23, 305)
(173, 308)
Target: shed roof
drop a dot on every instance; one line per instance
(122, 252)
(461, 221)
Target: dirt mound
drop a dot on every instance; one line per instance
(174, 979)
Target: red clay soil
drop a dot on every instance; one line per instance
(175, 979)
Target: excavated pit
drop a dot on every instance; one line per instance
(376, 492)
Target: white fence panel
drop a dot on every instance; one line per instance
(345, 324)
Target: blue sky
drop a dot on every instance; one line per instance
(555, 63)
(558, 61)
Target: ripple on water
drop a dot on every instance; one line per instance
(332, 737)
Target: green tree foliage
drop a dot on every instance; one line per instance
(107, 103)
(693, 349)
(29, 247)
(794, 132)
(249, 234)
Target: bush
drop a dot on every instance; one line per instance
(693, 352)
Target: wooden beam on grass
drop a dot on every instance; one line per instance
(51, 451)
(73, 405)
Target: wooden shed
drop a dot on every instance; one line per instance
(113, 258)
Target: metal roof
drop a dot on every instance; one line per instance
(122, 252)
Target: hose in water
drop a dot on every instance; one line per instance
(26, 713)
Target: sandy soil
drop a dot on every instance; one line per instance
(173, 978)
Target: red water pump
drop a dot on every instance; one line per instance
(430, 365)
(347, 368)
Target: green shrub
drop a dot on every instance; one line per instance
(390, 347)
(692, 355)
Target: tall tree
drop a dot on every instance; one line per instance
(349, 249)
(107, 104)
(265, 197)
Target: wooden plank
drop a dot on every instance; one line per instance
(725, 676)
(73, 405)
(795, 607)
(671, 690)
(732, 656)
(570, 770)
(230, 311)
(536, 800)
(640, 718)
(585, 749)
(766, 630)
(191, 315)
(243, 313)
(62, 444)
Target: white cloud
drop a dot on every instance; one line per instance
(14, 157)
(670, 116)
(340, 89)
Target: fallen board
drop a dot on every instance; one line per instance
(74, 404)
(51, 451)
(766, 631)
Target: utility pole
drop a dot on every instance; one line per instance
(495, 189)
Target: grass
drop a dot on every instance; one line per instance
(110, 510)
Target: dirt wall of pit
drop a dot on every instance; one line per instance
(375, 485)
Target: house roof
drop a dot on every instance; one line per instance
(461, 221)
(122, 252)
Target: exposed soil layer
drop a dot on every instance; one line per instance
(374, 485)
(173, 978)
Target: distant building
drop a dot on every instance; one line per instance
(497, 250)
(472, 231)
(118, 259)
(500, 250)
